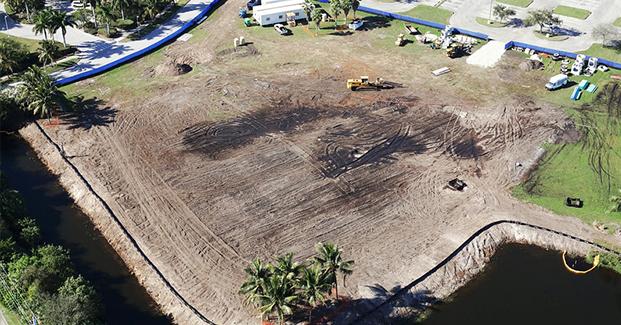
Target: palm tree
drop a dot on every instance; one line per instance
(48, 51)
(105, 12)
(331, 261)
(278, 298)
(346, 6)
(121, 4)
(314, 285)
(41, 95)
(256, 276)
(60, 20)
(150, 8)
(308, 7)
(42, 23)
(336, 8)
(286, 267)
(354, 6)
(93, 4)
(316, 16)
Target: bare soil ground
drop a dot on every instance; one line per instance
(262, 150)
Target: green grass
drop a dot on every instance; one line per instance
(554, 38)
(617, 22)
(598, 50)
(62, 65)
(430, 13)
(10, 316)
(31, 45)
(561, 96)
(517, 3)
(572, 12)
(490, 23)
(565, 169)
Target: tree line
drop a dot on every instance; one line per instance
(40, 275)
(281, 288)
(102, 17)
(314, 13)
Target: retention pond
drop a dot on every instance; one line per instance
(525, 284)
(124, 299)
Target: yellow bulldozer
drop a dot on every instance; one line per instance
(364, 83)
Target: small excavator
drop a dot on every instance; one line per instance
(364, 83)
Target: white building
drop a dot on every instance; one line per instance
(275, 11)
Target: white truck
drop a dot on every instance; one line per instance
(557, 82)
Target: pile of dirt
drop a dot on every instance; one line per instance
(172, 68)
(531, 65)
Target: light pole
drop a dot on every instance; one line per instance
(491, 6)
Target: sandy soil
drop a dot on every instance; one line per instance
(263, 150)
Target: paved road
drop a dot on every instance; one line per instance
(466, 12)
(96, 52)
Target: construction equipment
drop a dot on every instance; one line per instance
(364, 83)
(457, 49)
(400, 40)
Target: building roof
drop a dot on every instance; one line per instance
(277, 10)
(279, 4)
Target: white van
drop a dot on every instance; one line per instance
(557, 81)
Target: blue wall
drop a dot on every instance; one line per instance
(137, 54)
(572, 55)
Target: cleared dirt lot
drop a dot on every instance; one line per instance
(263, 150)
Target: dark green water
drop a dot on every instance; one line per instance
(61, 222)
(529, 285)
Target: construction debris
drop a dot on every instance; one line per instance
(440, 71)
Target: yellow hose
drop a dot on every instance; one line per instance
(570, 269)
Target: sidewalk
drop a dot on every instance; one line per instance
(96, 52)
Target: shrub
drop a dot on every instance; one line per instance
(113, 32)
(125, 24)
(90, 29)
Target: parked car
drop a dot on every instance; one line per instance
(282, 30)
(253, 3)
(558, 81)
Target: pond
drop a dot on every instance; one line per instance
(529, 285)
(62, 222)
